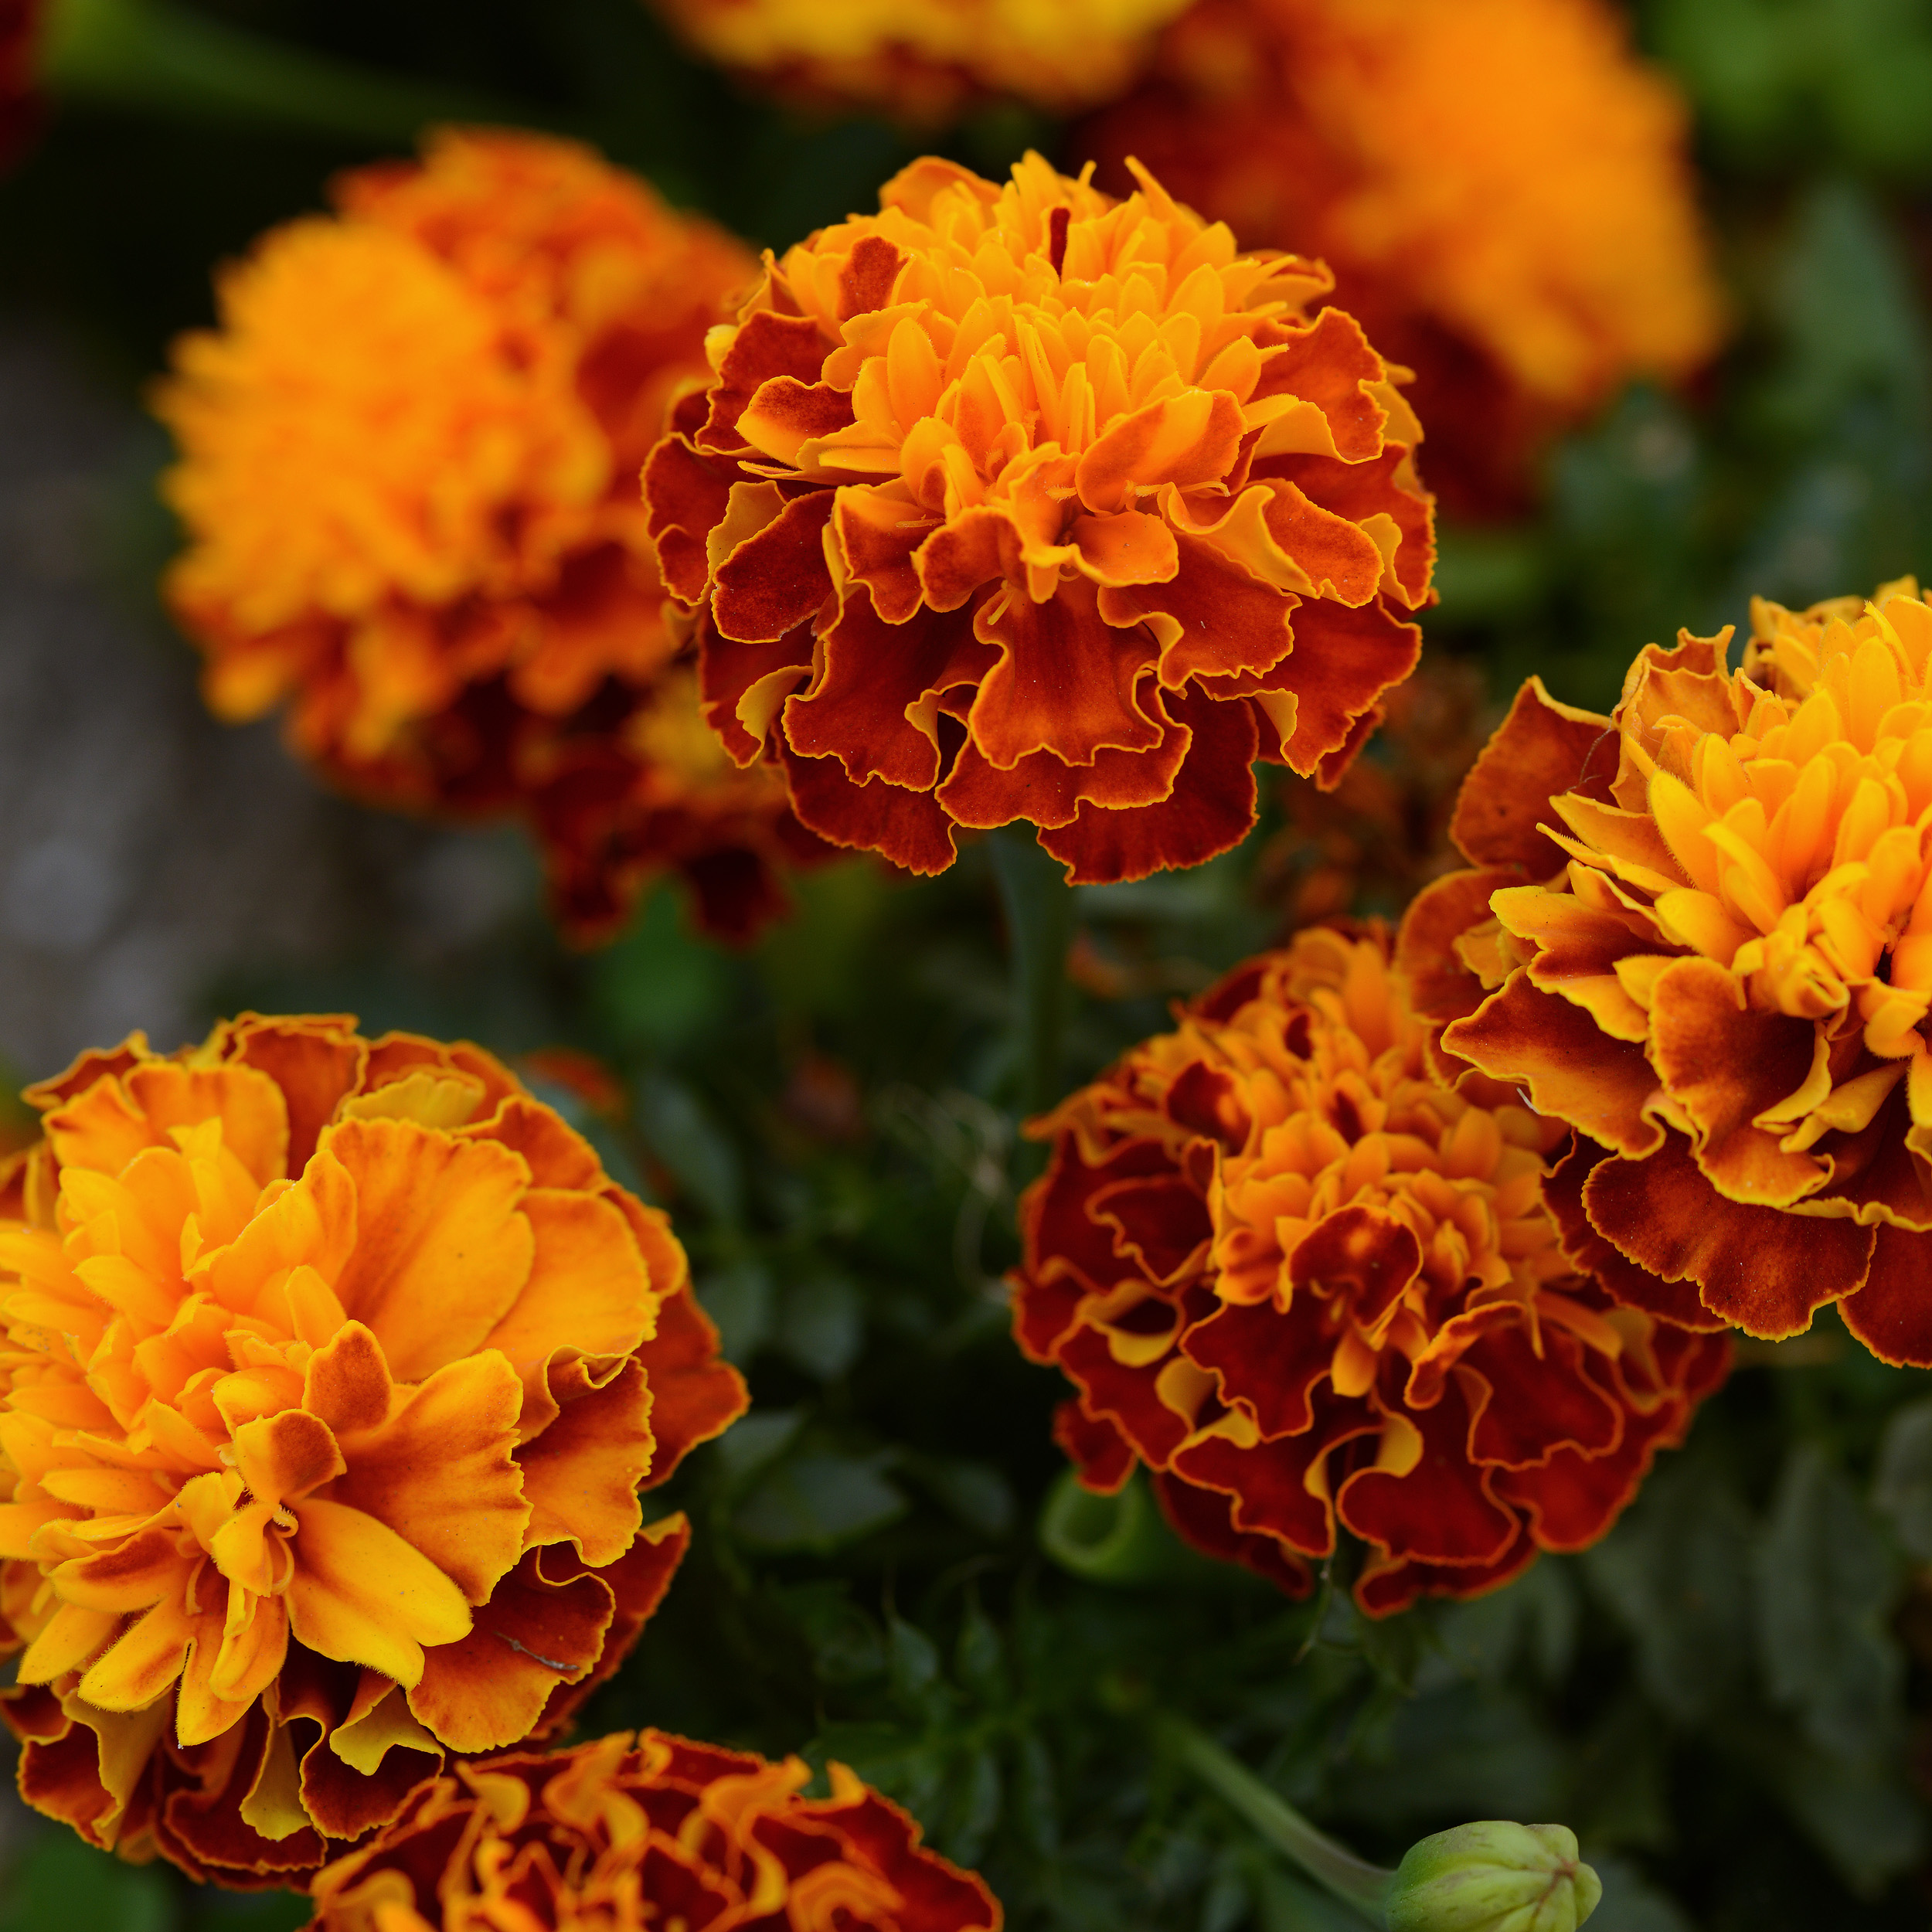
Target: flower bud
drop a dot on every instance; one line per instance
(1494, 1877)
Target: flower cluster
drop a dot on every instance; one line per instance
(408, 474)
(333, 1367)
(631, 1832)
(1504, 194)
(1698, 932)
(1307, 1282)
(923, 64)
(1024, 503)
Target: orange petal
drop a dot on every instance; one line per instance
(1761, 1269)
(441, 1253)
(581, 1475)
(908, 828)
(1540, 749)
(363, 1595)
(439, 1473)
(777, 579)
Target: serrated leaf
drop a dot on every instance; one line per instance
(1825, 1586)
(1674, 1572)
(821, 1326)
(817, 1501)
(738, 1297)
(679, 1130)
(912, 1659)
(1902, 1490)
(977, 1789)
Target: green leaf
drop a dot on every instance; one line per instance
(1673, 1572)
(1826, 1582)
(61, 1881)
(1902, 1490)
(821, 1326)
(657, 987)
(738, 1297)
(1630, 1902)
(1861, 1814)
(682, 1134)
(817, 1501)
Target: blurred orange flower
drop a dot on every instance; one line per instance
(407, 474)
(1024, 503)
(1306, 1282)
(1712, 959)
(924, 62)
(21, 109)
(334, 1366)
(1504, 193)
(645, 1829)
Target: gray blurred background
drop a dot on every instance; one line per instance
(149, 855)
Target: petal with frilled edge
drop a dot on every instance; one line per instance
(876, 678)
(1892, 1313)
(588, 1287)
(1102, 1456)
(1441, 1509)
(1556, 1053)
(439, 1472)
(1211, 809)
(1066, 681)
(581, 1475)
(1761, 1269)
(441, 1253)
(909, 828)
(694, 1394)
(488, 1689)
(1539, 750)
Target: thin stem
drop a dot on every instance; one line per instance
(1353, 1880)
(1039, 904)
(154, 55)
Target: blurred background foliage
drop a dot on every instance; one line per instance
(1731, 1698)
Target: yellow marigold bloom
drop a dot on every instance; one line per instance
(1724, 989)
(1021, 503)
(408, 475)
(640, 1830)
(333, 1367)
(923, 60)
(1504, 193)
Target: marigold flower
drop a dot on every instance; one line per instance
(924, 63)
(333, 1368)
(1504, 193)
(1305, 1282)
(638, 1830)
(1024, 503)
(408, 475)
(1711, 956)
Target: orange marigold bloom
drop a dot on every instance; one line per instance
(333, 1368)
(1504, 193)
(639, 1830)
(1025, 503)
(1305, 1281)
(924, 63)
(1713, 959)
(408, 475)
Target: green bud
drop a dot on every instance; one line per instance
(1494, 1877)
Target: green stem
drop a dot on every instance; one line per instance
(154, 55)
(1353, 1880)
(1039, 904)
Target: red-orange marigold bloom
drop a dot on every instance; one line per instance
(1025, 503)
(638, 1831)
(408, 474)
(333, 1368)
(1504, 195)
(924, 63)
(1700, 933)
(1305, 1281)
